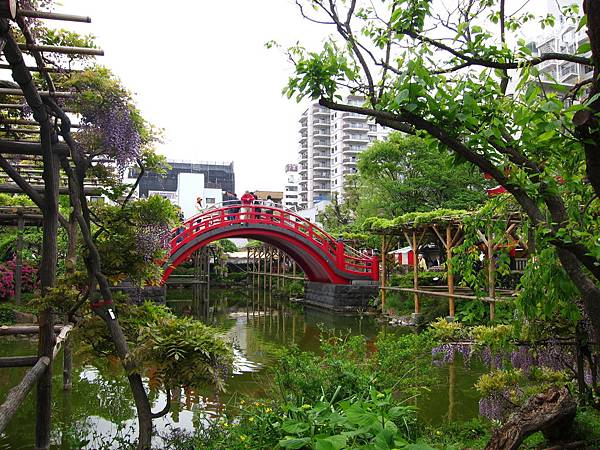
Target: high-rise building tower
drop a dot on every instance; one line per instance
(291, 198)
(330, 142)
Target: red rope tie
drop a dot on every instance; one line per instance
(101, 304)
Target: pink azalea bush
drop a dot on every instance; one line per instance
(29, 279)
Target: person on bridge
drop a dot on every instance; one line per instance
(269, 202)
(247, 200)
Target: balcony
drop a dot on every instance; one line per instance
(349, 161)
(320, 111)
(304, 177)
(568, 71)
(321, 176)
(354, 148)
(303, 138)
(351, 115)
(321, 144)
(360, 126)
(321, 123)
(321, 165)
(303, 169)
(356, 138)
(322, 188)
(320, 155)
(303, 156)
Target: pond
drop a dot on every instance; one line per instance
(258, 324)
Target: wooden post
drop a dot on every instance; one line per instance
(415, 248)
(265, 250)
(19, 257)
(451, 389)
(271, 251)
(67, 365)
(491, 273)
(247, 264)
(278, 268)
(449, 245)
(383, 272)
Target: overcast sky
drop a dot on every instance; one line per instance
(200, 71)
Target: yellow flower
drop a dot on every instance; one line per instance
(243, 437)
(305, 407)
(242, 402)
(268, 410)
(251, 419)
(438, 432)
(256, 404)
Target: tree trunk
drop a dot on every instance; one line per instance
(551, 412)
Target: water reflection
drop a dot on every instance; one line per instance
(257, 323)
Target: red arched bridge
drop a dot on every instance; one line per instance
(321, 257)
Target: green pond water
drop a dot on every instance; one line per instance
(100, 402)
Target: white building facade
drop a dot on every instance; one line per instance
(563, 38)
(291, 195)
(330, 142)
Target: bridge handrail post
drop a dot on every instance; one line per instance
(374, 268)
(340, 259)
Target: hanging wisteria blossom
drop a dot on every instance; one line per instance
(113, 126)
(152, 238)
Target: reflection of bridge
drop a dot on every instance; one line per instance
(321, 257)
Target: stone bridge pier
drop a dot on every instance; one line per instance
(340, 297)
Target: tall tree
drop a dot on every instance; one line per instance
(403, 174)
(446, 74)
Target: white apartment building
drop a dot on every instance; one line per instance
(291, 195)
(330, 142)
(563, 38)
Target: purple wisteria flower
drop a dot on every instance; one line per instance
(152, 238)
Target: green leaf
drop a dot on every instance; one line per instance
(582, 22)
(384, 440)
(294, 427)
(584, 48)
(546, 136)
(336, 442)
(360, 417)
(294, 443)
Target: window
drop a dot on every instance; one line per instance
(210, 200)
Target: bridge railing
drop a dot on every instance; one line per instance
(222, 215)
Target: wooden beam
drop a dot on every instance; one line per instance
(10, 147)
(17, 395)
(18, 361)
(45, 69)
(23, 329)
(53, 16)
(19, 92)
(61, 49)
(12, 188)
